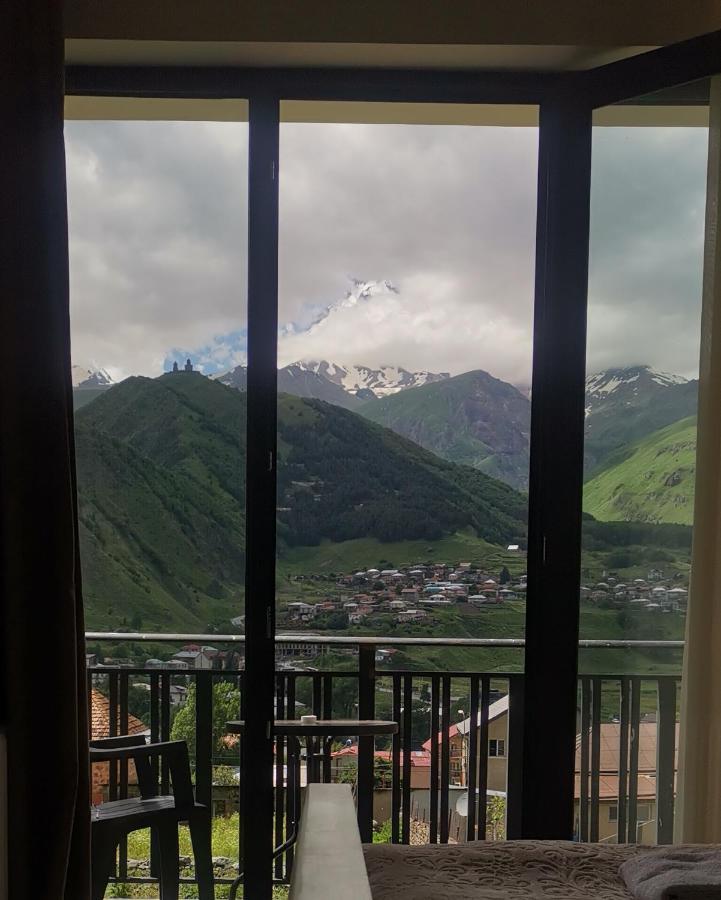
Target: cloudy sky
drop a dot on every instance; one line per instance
(446, 214)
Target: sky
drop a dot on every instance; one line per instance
(445, 214)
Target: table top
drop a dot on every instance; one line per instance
(328, 727)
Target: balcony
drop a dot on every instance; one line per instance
(465, 785)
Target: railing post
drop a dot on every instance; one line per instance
(366, 745)
(665, 759)
(514, 785)
(204, 737)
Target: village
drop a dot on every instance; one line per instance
(413, 594)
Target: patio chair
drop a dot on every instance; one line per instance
(113, 820)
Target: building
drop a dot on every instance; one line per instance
(608, 769)
(196, 657)
(345, 761)
(100, 722)
(497, 747)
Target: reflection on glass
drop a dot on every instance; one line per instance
(646, 255)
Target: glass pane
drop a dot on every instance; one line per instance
(158, 235)
(646, 261)
(407, 242)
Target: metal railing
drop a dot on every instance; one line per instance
(422, 702)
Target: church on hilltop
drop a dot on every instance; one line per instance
(187, 368)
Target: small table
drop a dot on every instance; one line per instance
(295, 730)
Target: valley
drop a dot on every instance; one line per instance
(161, 472)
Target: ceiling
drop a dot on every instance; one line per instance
(553, 35)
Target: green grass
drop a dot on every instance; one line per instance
(365, 553)
(224, 843)
(653, 483)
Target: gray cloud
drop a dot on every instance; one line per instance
(158, 243)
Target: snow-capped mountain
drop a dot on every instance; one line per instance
(365, 382)
(359, 292)
(335, 383)
(625, 404)
(90, 377)
(294, 380)
(634, 377)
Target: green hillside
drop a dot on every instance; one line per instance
(653, 481)
(473, 419)
(341, 477)
(161, 483)
(161, 503)
(634, 410)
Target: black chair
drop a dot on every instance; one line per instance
(113, 820)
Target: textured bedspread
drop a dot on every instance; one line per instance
(511, 870)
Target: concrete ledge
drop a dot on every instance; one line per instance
(329, 860)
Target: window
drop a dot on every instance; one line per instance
(429, 340)
(496, 747)
(644, 813)
(613, 813)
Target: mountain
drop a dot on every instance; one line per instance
(296, 380)
(474, 419)
(88, 384)
(653, 482)
(368, 383)
(625, 405)
(344, 386)
(90, 378)
(478, 420)
(161, 485)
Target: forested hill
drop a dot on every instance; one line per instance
(161, 475)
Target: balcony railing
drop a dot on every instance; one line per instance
(622, 718)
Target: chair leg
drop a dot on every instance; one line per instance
(101, 865)
(200, 834)
(169, 861)
(154, 854)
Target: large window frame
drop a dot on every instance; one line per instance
(546, 729)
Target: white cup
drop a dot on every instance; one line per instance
(308, 720)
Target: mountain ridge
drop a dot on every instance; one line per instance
(161, 493)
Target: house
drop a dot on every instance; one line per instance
(196, 657)
(346, 760)
(411, 615)
(609, 764)
(497, 746)
(100, 727)
(610, 735)
(301, 611)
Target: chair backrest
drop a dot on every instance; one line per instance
(147, 779)
(134, 747)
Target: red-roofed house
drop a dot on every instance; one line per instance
(100, 728)
(420, 761)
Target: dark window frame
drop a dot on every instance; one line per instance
(566, 102)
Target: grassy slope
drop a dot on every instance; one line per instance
(655, 483)
(365, 553)
(162, 520)
(451, 418)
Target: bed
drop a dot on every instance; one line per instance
(506, 870)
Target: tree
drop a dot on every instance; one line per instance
(495, 818)
(226, 706)
(139, 703)
(505, 576)
(382, 773)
